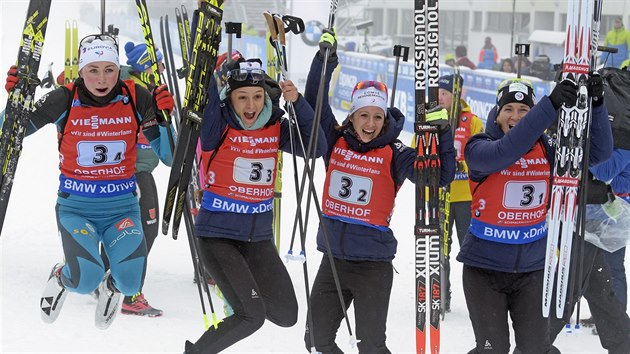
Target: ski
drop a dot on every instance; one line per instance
(169, 63)
(67, 62)
(578, 249)
(276, 41)
(74, 69)
(155, 79)
(445, 195)
(427, 170)
(568, 160)
(183, 29)
(183, 41)
(71, 60)
(201, 66)
(21, 99)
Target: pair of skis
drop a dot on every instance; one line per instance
(71, 61)
(203, 55)
(427, 168)
(583, 18)
(22, 97)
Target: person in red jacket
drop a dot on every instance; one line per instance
(461, 57)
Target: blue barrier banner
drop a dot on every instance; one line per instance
(479, 89)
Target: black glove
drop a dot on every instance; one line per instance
(595, 86)
(327, 41)
(564, 92)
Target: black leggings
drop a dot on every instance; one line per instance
(149, 207)
(254, 281)
(491, 296)
(368, 285)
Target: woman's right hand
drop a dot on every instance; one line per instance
(289, 91)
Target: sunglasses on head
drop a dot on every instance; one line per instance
(103, 37)
(255, 74)
(370, 83)
(508, 82)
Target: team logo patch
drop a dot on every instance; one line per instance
(519, 96)
(124, 223)
(152, 213)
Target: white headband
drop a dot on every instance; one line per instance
(98, 50)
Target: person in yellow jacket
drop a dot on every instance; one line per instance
(618, 37)
(468, 124)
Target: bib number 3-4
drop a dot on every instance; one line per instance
(98, 153)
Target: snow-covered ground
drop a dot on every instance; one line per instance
(30, 246)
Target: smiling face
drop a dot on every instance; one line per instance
(247, 103)
(100, 77)
(368, 122)
(510, 115)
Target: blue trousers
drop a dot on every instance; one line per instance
(82, 230)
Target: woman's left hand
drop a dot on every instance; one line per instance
(289, 91)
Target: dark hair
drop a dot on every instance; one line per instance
(460, 51)
(508, 60)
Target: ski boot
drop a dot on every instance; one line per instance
(108, 303)
(53, 296)
(138, 305)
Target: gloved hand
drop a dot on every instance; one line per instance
(163, 98)
(564, 92)
(61, 78)
(327, 41)
(12, 78)
(595, 86)
(438, 116)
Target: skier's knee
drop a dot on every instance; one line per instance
(252, 315)
(86, 280)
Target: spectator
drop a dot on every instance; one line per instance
(618, 37)
(507, 66)
(462, 59)
(540, 68)
(488, 55)
(525, 63)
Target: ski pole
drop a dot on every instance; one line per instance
(400, 51)
(102, 16)
(521, 50)
(232, 28)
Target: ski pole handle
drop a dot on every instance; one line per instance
(400, 51)
(294, 24)
(601, 48)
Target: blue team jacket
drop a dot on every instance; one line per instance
(493, 151)
(353, 241)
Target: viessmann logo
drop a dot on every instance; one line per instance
(95, 122)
